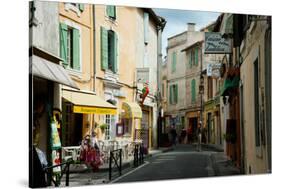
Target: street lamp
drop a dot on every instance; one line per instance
(201, 92)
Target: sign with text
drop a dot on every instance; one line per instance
(214, 69)
(216, 44)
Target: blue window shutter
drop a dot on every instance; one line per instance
(63, 43)
(76, 49)
(104, 49)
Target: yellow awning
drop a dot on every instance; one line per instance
(88, 103)
(131, 110)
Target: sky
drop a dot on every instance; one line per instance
(177, 22)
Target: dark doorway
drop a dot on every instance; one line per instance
(209, 123)
(193, 123)
(78, 127)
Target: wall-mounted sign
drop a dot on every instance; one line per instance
(216, 44)
(214, 70)
(142, 75)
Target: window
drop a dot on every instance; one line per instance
(146, 26)
(193, 57)
(174, 94)
(70, 46)
(256, 99)
(109, 50)
(111, 11)
(110, 122)
(193, 90)
(174, 61)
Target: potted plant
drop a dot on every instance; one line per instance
(103, 127)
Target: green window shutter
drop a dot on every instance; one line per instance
(104, 49)
(81, 7)
(196, 56)
(170, 97)
(115, 52)
(63, 43)
(176, 94)
(76, 49)
(111, 12)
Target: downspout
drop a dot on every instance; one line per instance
(94, 49)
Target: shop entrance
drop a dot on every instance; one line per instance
(193, 124)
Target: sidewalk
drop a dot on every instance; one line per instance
(222, 165)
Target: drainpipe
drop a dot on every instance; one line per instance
(94, 48)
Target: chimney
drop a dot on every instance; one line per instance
(190, 27)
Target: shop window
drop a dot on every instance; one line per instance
(110, 122)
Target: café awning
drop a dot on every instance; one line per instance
(131, 110)
(46, 69)
(230, 84)
(88, 103)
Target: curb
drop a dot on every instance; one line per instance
(124, 165)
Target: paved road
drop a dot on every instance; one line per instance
(183, 162)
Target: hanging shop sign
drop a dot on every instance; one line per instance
(216, 44)
(214, 70)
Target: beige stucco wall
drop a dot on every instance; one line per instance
(176, 44)
(253, 49)
(83, 78)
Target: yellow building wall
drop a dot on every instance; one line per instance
(83, 79)
(254, 49)
(124, 22)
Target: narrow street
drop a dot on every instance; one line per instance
(183, 162)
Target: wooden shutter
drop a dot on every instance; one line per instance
(63, 43)
(115, 62)
(171, 97)
(196, 56)
(81, 7)
(176, 93)
(76, 49)
(110, 10)
(104, 49)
